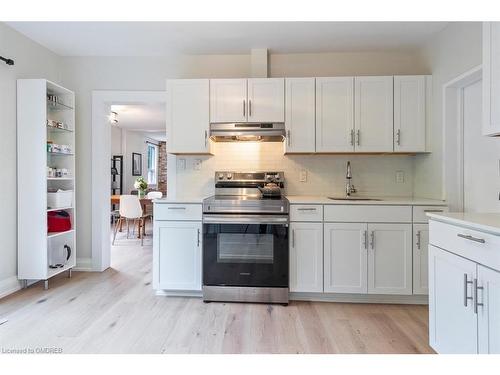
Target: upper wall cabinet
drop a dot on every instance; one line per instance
(373, 114)
(187, 116)
(299, 115)
(491, 78)
(334, 114)
(228, 100)
(266, 100)
(410, 113)
(247, 100)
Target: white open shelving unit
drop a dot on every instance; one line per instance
(37, 247)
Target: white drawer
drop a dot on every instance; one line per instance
(368, 214)
(306, 212)
(174, 211)
(419, 212)
(478, 246)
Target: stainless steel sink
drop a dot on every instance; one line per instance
(353, 199)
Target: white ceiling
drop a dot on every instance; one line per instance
(166, 38)
(141, 117)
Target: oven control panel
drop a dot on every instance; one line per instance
(249, 176)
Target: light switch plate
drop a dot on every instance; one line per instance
(197, 164)
(400, 177)
(181, 164)
(303, 175)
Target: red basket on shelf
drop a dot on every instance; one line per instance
(58, 221)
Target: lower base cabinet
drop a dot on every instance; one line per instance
(179, 244)
(306, 257)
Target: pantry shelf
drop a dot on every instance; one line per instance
(57, 234)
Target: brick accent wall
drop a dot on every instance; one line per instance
(162, 164)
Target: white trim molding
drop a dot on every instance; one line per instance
(83, 264)
(101, 155)
(9, 286)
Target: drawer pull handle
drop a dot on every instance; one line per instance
(307, 209)
(470, 238)
(176, 208)
(466, 296)
(433, 210)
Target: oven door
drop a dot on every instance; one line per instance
(245, 250)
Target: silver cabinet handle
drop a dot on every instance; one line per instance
(288, 137)
(470, 238)
(293, 238)
(398, 137)
(198, 237)
(206, 137)
(244, 107)
(365, 239)
(433, 210)
(358, 136)
(176, 208)
(476, 303)
(372, 240)
(466, 295)
(352, 137)
(307, 209)
(418, 239)
(249, 107)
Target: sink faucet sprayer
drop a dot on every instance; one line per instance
(349, 187)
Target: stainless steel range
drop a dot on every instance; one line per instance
(245, 239)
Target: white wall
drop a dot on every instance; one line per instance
(455, 50)
(134, 141)
(31, 61)
(116, 140)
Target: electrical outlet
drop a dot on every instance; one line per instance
(181, 164)
(400, 177)
(197, 164)
(303, 175)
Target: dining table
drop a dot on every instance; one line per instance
(145, 202)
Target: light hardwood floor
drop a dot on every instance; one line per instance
(117, 312)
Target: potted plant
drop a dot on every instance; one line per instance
(141, 185)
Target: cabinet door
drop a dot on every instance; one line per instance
(266, 100)
(420, 258)
(409, 113)
(306, 257)
(300, 115)
(390, 259)
(489, 313)
(228, 100)
(345, 257)
(452, 322)
(179, 254)
(491, 78)
(187, 115)
(373, 114)
(334, 114)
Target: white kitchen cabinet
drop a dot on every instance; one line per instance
(300, 106)
(228, 100)
(488, 314)
(452, 322)
(409, 113)
(345, 257)
(390, 259)
(373, 114)
(334, 114)
(491, 78)
(306, 257)
(420, 259)
(179, 245)
(266, 100)
(187, 116)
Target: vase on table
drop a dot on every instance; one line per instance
(141, 193)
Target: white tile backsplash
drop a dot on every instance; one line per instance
(372, 174)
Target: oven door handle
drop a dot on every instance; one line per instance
(245, 219)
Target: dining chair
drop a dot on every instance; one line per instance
(130, 209)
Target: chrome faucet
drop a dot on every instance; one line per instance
(349, 187)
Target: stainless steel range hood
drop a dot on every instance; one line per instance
(241, 132)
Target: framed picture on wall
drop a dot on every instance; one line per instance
(136, 164)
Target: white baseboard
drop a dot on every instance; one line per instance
(361, 298)
(83, 264)
(179, 293)
(9, 286)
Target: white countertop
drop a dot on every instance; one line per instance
(313, 199)
(182, 200)
(486, 222)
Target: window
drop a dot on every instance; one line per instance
(152, 164)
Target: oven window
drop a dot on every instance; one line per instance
(245, 248)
